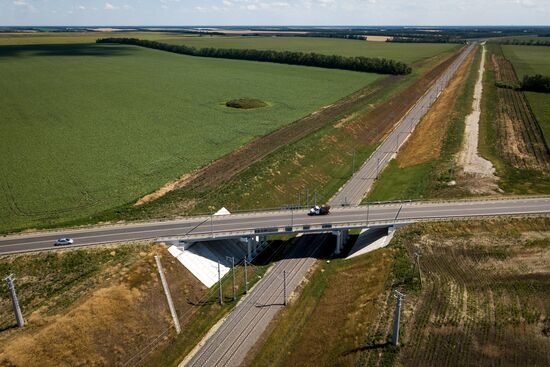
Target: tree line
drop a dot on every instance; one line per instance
(536, 83)
(358, 63)
(531, 42)
(425, 40)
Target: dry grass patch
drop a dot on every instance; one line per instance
(326, 325)
(426, 141)
(102, 316)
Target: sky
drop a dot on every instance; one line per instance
(274, 12)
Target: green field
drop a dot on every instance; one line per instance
(58, 38)
(88, 127)
(405, 52)
(530, 60)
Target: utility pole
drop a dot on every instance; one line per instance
(378, 168)
(168, 295)
(299, 199)
(284, 287)
(212, 225)
(14, 301)
(245, 277)
(233, 271)
(353, 163)
(307, 198)
(397, 318)
(417, 256)
(220, 295)
(368, 208)
(315, 198)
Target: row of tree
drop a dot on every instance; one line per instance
(364, 64)
(528, 42)
(536, 83)
(425, 40)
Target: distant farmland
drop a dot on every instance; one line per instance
(405, 52)
(530, 60)
(87, 128)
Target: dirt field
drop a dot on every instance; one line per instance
(108, 326)
(519, 137)
(484, 300)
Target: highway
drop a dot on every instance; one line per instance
(361, 182)
(277, 221)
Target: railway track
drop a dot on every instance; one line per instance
(229, 345)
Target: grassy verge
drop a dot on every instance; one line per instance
(334, 294)
(429, 177)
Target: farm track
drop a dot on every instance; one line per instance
(520, 139)
(380, 120)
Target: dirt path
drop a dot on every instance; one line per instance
(469, 158)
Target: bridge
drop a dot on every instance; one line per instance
(263, 223)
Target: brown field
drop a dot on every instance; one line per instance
(107, 321)
(519, 137)
(427, 139)
(484, 300)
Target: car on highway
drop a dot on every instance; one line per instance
(63, 242)
(319, 210)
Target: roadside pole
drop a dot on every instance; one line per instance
(284, 287)
(168, 295)
(417, 256)
(233, 271)
(397, 318)
(245, 277)
(220, 293)
(14, 301)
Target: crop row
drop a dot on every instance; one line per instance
(520, 139)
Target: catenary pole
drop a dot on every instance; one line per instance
(14, 301)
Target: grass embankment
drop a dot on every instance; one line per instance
(326, 325)
(108, 124)
(425, 165)
(71, 300)
(483, 301)
(493, 136)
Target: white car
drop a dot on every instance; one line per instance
(63, 242)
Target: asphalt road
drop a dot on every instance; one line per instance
(361, 182)
(236, 224)
(229, 345)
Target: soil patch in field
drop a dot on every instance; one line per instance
(246, 103)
